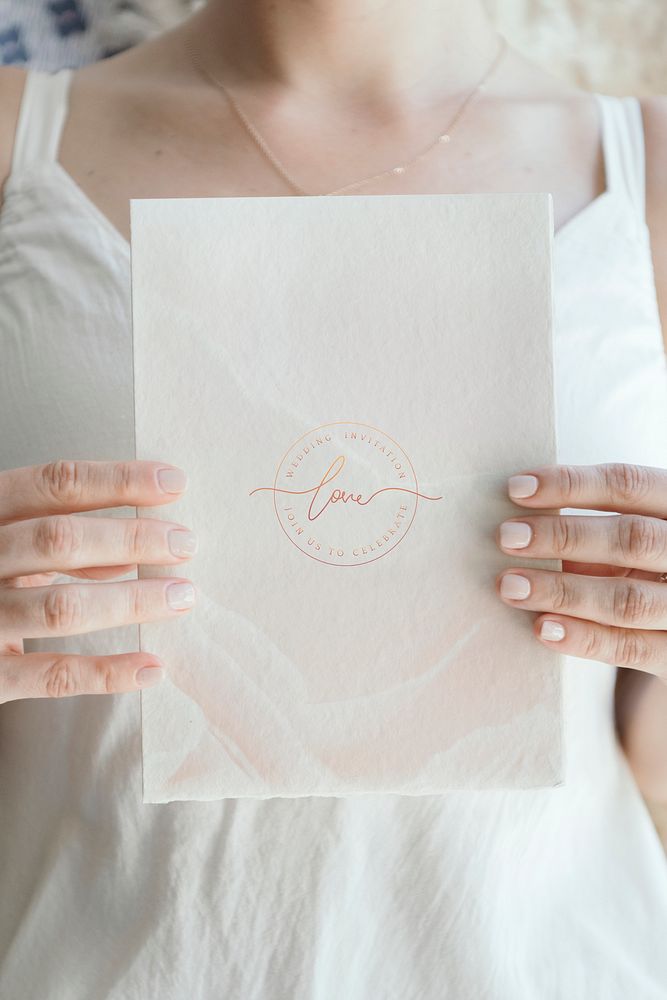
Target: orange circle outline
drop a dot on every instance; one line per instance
(334, 423)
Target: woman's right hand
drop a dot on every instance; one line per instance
(41, 535)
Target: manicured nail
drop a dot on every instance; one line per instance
(148, 676)
(172, 480)
(553, 631)
(515, 534)
(522, 486)
(180, 596)
(182, 543)
(514, 586)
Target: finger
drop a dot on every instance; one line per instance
(63, 486)
(639, 649)
(622, 601)
(35, 580)
(613, 486)
(51, 675)
(630, 540)
(65, 542)
(101, 572)
(73, 608)
(90, 573)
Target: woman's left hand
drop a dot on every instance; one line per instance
(608, 603)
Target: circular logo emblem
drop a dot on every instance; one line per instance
(345, 493)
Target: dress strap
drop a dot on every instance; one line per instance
(624, 153)
(42, 114)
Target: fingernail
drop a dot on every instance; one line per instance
(553, 631)
(514, 586)
(522, 486)
(515, 534)
(148, 676)
(172, 480)
(182, 543)
(180, 596)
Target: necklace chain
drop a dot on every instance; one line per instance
(260, 142)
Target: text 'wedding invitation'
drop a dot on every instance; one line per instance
(348, 382)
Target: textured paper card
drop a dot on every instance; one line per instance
(348, 382)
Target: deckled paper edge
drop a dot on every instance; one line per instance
(140, 646)
(561, 749)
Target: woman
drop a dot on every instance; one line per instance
(503, 895)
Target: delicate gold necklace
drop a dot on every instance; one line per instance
(444, 137)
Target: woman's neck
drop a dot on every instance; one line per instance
(337, 51)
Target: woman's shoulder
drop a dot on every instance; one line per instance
(654, 114)
(12, 81)
(654, 109)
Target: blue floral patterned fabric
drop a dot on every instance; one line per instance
(50, 34)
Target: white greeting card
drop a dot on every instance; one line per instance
(348, 382)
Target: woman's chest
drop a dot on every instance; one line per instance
(171, 143)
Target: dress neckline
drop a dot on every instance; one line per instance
(88, 205)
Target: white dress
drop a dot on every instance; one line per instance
(522, 895)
